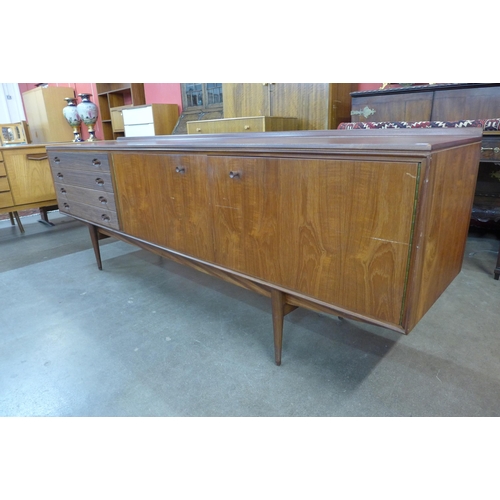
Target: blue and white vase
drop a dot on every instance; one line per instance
(88, 111)
(70, 112)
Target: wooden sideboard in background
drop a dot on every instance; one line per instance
(439, 102)
(26, 181)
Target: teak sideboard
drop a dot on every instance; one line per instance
(368, 224)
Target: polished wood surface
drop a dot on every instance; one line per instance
(366, 225)
(164, 199)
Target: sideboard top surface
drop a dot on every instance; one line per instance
(387, 141)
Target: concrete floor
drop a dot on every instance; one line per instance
(148, 337)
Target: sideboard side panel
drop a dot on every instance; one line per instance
(443, 228)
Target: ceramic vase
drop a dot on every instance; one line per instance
(88, 112)
(70, 112)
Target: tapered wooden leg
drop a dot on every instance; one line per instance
(19, 223)
(94, 236)
(278, 306)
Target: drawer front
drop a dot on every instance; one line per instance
(490, 148)
(90, 162)
(138, 115)
(102, 216)
(3, 172)
(67, 193)
(6, 200)
(140, 130)
(226, 126)
(4, 184)
(99, 181)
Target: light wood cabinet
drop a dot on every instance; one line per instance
(246, 124)
(367, 224)
(317, 106)
(26, 181)
(114, 95)
(44, 114)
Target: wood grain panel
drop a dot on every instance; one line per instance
(406, 107)
(30, 180)
(466, 104)
(445, 223)
(306, 101)
(68, 193)
(159, 204)
(245, 99)
(4, 184)
(338, 231)
(100, 181)
(6, 199)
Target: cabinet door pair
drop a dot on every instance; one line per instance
(325, 228)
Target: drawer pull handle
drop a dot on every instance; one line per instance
(495, 150)
(180, 170)
(96, 162)
(99, 181)
(247, 127)
(234, 175)
(105, 218)
(63, 190)
(65, 205)
(103, 200)
(37, 157)
(59, 175)
(198, 129)
(57, 159)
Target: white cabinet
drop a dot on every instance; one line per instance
(151, 119)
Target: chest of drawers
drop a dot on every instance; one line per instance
(368, 225)
(84, 187)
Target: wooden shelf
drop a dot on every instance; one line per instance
(113, 95)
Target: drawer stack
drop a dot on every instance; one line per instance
(5, 194)
(84, 187)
